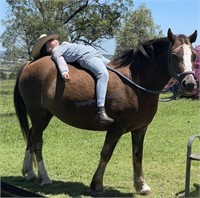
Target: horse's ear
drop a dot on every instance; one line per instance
(193, 37)
(170, 35)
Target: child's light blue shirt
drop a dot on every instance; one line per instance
(71, 52)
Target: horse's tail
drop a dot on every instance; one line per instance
(20, 107)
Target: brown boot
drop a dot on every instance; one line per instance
(102, 117)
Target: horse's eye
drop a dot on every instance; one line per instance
(174, 56)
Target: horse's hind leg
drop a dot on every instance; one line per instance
(38, 144)
(111, 140)
(27, 168)
(40, 120)
(137, 153)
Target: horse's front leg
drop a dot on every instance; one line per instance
(137, 153)
(111, 140)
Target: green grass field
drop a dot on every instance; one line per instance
(71, 155)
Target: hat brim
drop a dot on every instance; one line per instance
(40, 43)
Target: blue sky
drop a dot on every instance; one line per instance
(182, 16)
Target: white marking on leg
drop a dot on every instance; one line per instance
(141, 186)
(146, 190)
(42, 174)
(28, 166)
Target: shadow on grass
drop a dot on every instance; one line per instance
(71, 189)
(193, 193)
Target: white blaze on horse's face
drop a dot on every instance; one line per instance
(187, 57)
(188, 82)
(183, 59)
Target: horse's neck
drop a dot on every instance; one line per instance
(153, 73)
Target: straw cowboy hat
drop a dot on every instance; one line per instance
(40, 43)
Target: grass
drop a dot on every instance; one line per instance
(71, 155)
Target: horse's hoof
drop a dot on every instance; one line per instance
(96, 188)
(46, 183)
(30, 175)
(143, 189)
(98, 194)
(146, 190)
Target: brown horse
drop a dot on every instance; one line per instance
(40, 92)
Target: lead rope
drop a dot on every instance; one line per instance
(133, 83)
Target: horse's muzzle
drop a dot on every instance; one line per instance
(188, 84)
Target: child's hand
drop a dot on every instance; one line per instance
(66, 76)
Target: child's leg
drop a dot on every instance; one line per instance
(97, 67)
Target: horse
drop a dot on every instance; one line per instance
(136, 78)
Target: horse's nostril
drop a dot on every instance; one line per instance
(189, 86)
(183, 83)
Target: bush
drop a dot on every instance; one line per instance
(12, 76)
(3, 76)
(196, 70)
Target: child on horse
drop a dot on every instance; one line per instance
(88, 58)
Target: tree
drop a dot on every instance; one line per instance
(87, 21)
(137, 27)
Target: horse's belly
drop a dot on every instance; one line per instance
(80, 115)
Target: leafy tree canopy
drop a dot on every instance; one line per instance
(138, 26)
(87, 21)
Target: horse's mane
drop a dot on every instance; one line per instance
(145, 50)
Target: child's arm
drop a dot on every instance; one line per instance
(62, 65)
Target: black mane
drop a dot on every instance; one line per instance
(143, 50)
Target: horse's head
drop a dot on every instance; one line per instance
(181, 60)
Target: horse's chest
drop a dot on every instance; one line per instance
(147, 110)
(145, 113)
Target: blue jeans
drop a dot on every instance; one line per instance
(97, 65)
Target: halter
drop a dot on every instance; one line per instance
(180, 76)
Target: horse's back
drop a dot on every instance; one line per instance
(73, 102)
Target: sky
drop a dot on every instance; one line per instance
(182, 16)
